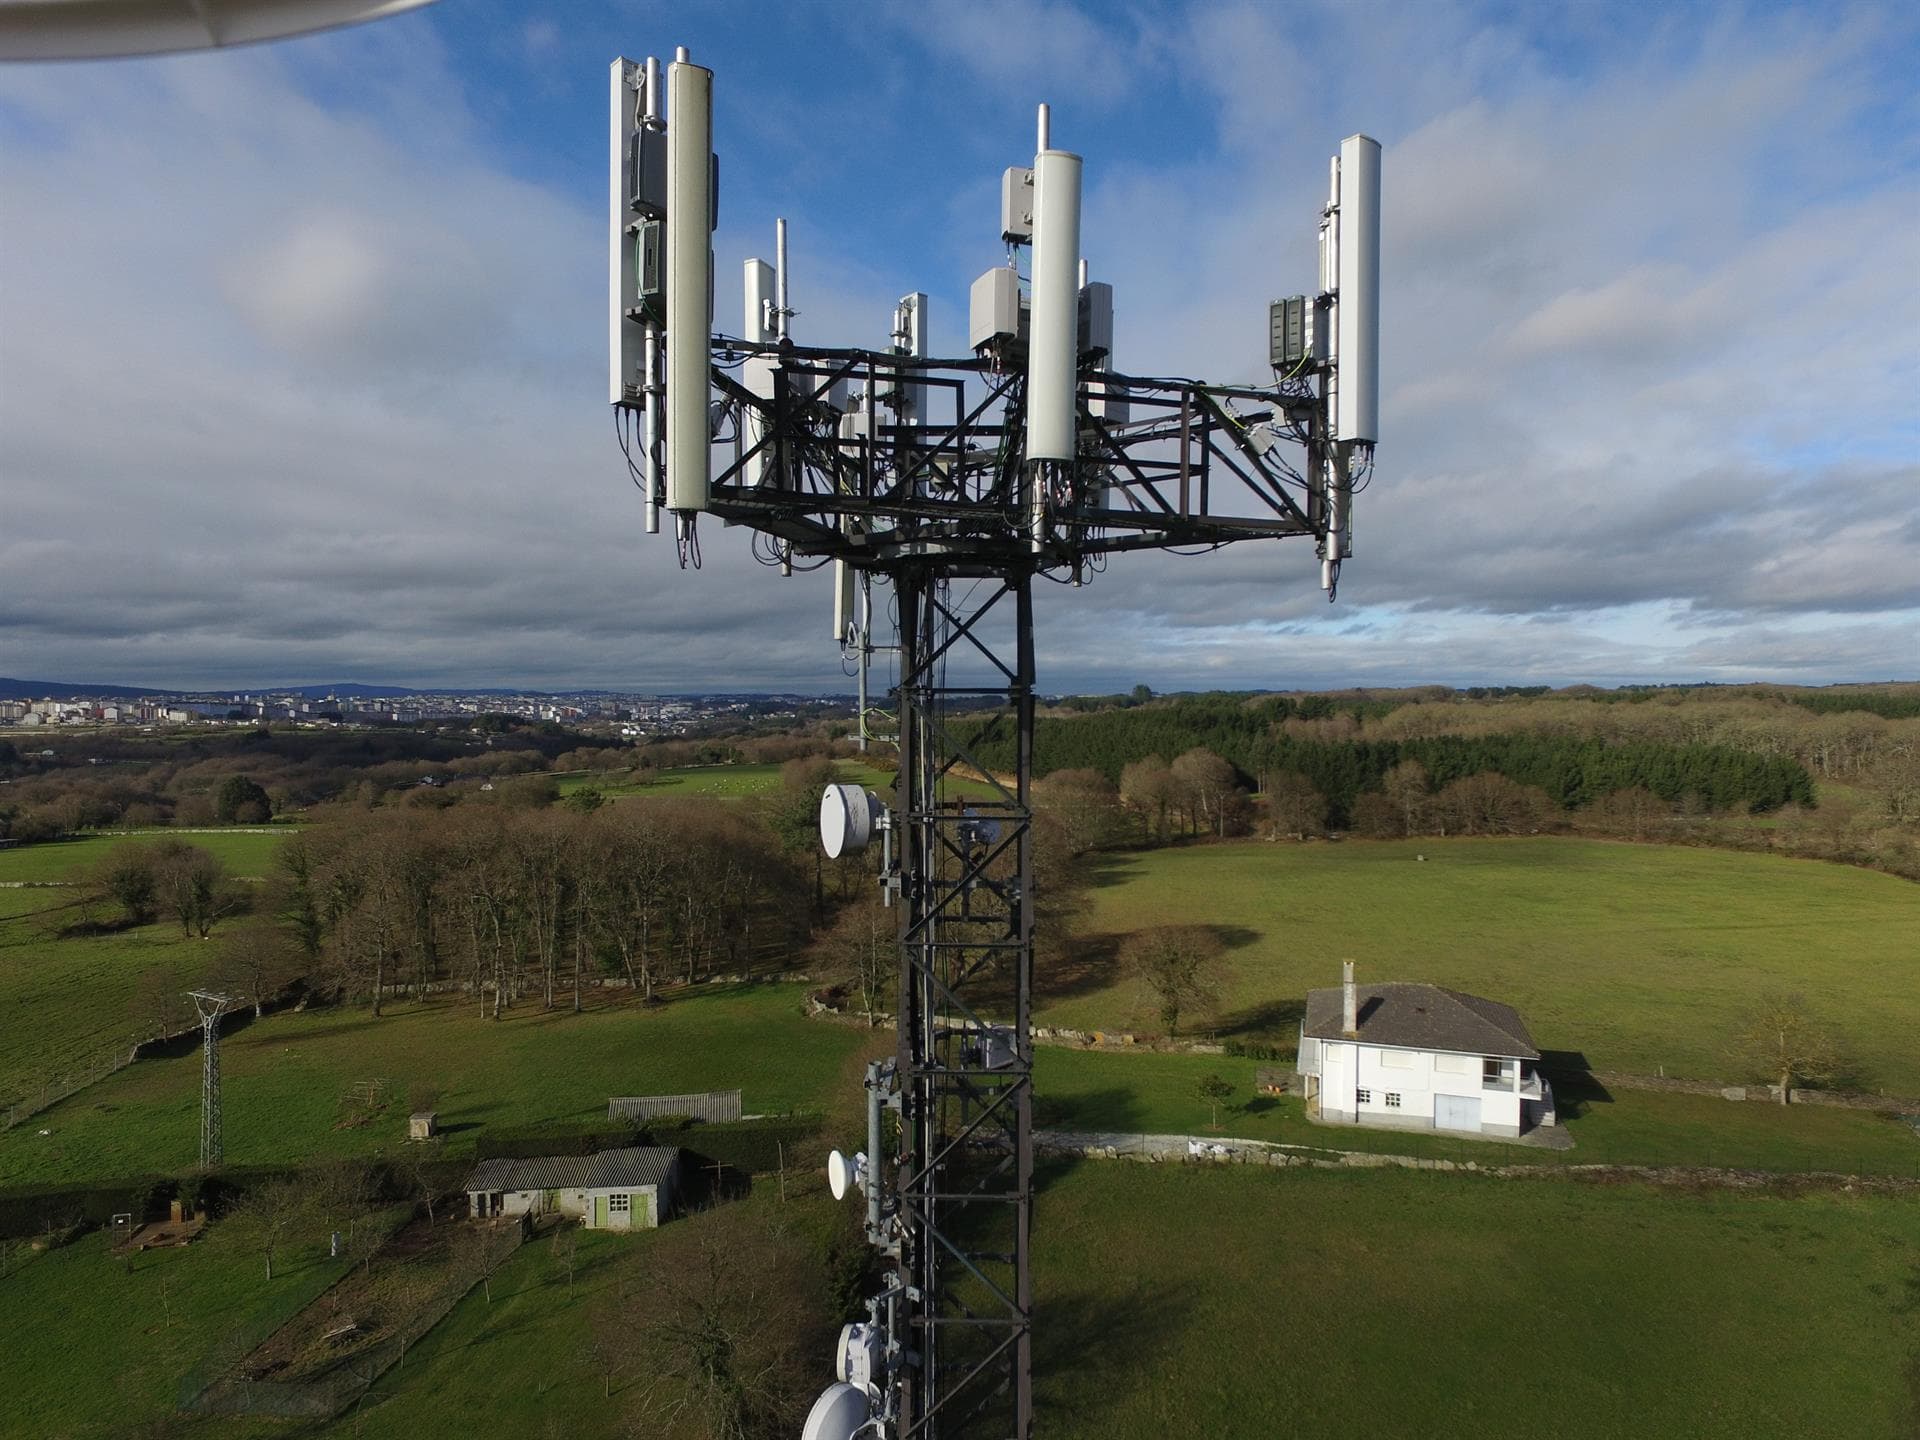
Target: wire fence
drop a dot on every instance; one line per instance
(70, 1080)
(1363, 1146)
(220, 1387)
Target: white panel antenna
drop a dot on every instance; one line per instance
(1357, 303)
(625, 338)
(1053, 360)
(689, 284)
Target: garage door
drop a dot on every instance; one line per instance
(1456, 1112)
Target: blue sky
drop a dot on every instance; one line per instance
(302, 371)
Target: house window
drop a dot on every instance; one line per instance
(1393, 1100)
(619, 1204)
(1363, 1097)
(1491, 1070)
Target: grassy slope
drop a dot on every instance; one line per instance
(730, 781)
(740, 781)
(284, 1079)
(1234, 1303)
(246, 852)
(92, 1350)
(1399, 1305)
(1636, 956)
(62, 1000)
(1156, 1094)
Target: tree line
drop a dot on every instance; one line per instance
(119, 780)
(1572, 771)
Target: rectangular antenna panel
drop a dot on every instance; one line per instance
(1357, 307)
(843, 583)
(913, 397)
(756, 316)
(757, 375)
(648, 177)
(625, 338)
(1096, 318)
(690, 175)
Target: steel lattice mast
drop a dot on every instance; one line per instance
(211, 1005)
(955, 483)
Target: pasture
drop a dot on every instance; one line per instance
(289, 1083)
(736, 782)
(727, 782)
(65, 999)
(1232, 1302)
(96, 1349)
(1637, 957)
(1194, 1300)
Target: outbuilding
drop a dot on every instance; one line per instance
(626, 1189)
(1415, 1056)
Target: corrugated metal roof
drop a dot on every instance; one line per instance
(630, 1168)
(1423, 1017)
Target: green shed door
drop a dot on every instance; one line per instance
(599, 1212)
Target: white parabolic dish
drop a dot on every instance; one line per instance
(839, 1174)
(847, 814)
(838, 1412)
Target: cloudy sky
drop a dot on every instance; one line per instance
(302, 370)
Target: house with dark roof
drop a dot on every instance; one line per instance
(627, 1189)
(1420, 1057)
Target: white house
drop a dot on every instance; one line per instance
(1420, 1057)
(627, 1189)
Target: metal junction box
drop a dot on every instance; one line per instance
(1016, 205)
(996, 314)
(1291, 342)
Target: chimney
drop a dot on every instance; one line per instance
(1350, 1001)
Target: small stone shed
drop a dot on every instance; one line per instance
(627, 1189)
(423, 1125)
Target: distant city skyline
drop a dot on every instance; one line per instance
(1651, 293)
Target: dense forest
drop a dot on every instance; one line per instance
(1256, 739)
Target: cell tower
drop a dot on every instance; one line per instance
(211, 1005)
(955, 482)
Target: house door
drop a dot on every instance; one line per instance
(1456, 1112)
(600, 1202)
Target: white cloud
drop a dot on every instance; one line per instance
(305, 388)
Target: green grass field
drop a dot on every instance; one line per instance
(94, 1352)
(1636, 957)
(64, 1000)
(1178, 1300)
(1156, 1094)
(285, 1080)
(246, 852)
(1207, 1301)
(734, 782)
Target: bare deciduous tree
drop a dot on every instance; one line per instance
(728, 1317)
(270, 1215)
(1294, 807)
(1785, 1043)
(1179, 964)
